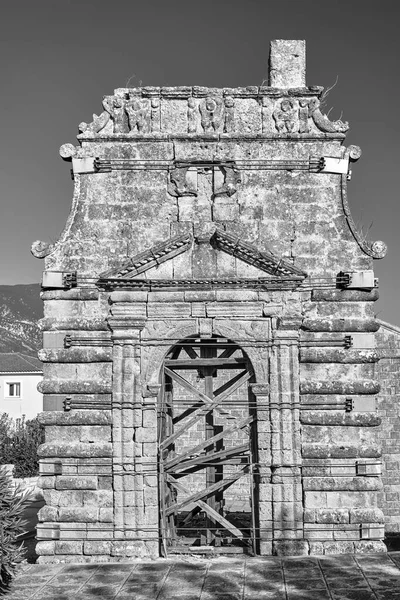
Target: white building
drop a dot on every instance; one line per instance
(19, 376)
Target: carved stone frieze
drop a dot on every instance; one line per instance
(231, 180)
(155, 115)
(229, 118)
(293, 115)
(192, 113)
(115, 106)
(139, 114)
(180, 183)
(285, 116)
(212, 114)
(322, 121)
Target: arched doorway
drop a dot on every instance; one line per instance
(207, 449)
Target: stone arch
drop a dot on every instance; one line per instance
(194, 375)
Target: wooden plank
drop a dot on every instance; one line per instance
(200, 412)
(233, 383)
(216, 517)
(213, 457)
(190, 352)
(220, 485)
(228, 352)
(196, 363)
(200, 447)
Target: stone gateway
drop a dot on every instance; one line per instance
(208, 340)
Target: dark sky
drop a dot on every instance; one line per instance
(59, 57)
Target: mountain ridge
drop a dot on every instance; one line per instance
(20, 310)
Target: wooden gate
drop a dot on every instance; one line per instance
(206, 449)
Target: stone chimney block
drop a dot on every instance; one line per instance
(287, 63)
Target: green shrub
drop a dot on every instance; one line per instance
(19, 442)
(11, 508)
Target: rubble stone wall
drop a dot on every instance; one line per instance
(388, 370)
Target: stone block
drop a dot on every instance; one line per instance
(76, 483)
(128, 548)
(147, 435)
(95, 433)
(315, 500)
(52, 497)
(339, 547)
(48, 513)
(164, 310)
(149, 418)
(200, 295)
(290, 548)
(78, 514)
(106, 515)
(287, 63)
(100, 498)
(331, 516)
(366, 515)
(76, 450)
(46, 482)
(105, 483)
(149, 449)
(45, 548)
(71, 498)
(265, 511)
(68, 547)
(316, 548)
(350, 499)
(97, 547)
(370, 547)
(151, 496)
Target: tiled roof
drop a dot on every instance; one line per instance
(16, 362)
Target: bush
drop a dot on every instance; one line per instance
(11, 508)
(19, 442)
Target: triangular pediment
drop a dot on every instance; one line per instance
(146, 266)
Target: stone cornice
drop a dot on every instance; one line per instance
(251, 91)
(207, 137)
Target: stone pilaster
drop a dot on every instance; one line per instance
(285, 440)
(262, 475)
(126, 421)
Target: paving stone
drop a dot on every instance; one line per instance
(182, 581)
(304, 584)
(218, 596)
(344, 594)
(275, 595)
(387, 595)
(384, 582)
(347, 583)
(308, 595)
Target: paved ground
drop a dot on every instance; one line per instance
(346, 577)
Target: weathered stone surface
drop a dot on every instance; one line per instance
(345, 295)
(366, 515)
(342, 483)
(340, 419)
(79, 450)
(333, 355)
(76, 355)
(340, 387)
(76, 417)
(344, 451)
(290, 548)
(209, 213)
(76, 483)
(347, 325)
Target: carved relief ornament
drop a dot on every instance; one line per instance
(294, 116)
